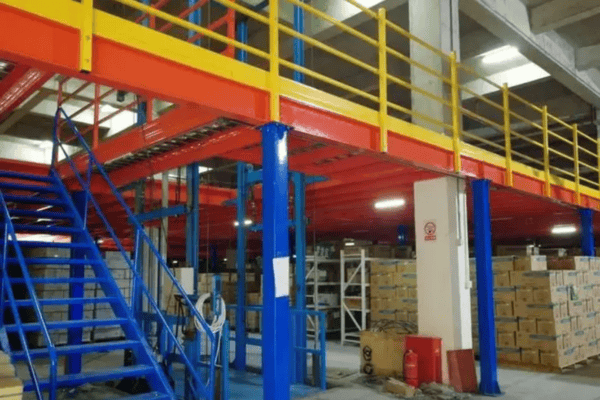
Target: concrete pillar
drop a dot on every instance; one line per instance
(435, 22)
(443, 263)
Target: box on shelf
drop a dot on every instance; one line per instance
(510, 354)
(524, 294)
(531, 263)
(506, 339)
(559, 359)
(501, 279)
(503, 263)
(505, 294)
(505, 309)
(527, 325)
(506, 324)
(569, 263)
(530, 356)
(527, 250)
(557, 294)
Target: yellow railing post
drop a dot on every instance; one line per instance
(547, 189)
(86, 34)
(576, 162)
(507, 139)
(383, 92)
(274, 60)
(456, 122)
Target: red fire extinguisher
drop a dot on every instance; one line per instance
(411, 368)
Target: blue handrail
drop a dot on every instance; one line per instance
(6, 285)
(208, 388)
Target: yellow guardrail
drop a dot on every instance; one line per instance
(524, 134)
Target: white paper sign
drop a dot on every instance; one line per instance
(281, 268)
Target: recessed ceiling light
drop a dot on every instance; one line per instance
(502, 54)
(247, 222)
(202, 169)
(390, 203)
(564, 229)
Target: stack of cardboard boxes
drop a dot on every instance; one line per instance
(546, 309)
(11, 387)
(394, 291)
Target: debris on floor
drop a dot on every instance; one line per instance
(427, 391)
(399, 388)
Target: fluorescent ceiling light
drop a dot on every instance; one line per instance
(43, 220)
(350, 244)
(175, 262)
(3, 65)
(502, 54)
(225, 259)
(202, 169)
(390, 203)
(44, 208)
(564, 229)
(247, 222)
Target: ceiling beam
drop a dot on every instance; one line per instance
(587, 57)
(559, 13)
(23, 111)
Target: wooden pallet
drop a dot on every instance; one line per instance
(546, 368)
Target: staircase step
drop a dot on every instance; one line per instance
(112, 374)
(144, 396)
(26, 177)
(13, 198)
(28, 188)
(103, 347)
(55, 261)
(58, 281)
(39, 214)
(33, 244)
(67, 301)
(46, 229)
(83, 323)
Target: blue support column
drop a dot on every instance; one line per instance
(588, 243)
(300, 239)
(195, 18)
(76, 290)
(298, 43)
(485, 288)
(276, 314)
(192, 239)
(240, 311)
(242, 37)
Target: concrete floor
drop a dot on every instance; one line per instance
(346, 383)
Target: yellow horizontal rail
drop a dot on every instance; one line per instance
(528, 158)
(417, 64)
(482, 119)
(525, 138)
(556, 135)
(560, 121)
(591, 153)
(588, 166)
(419, 115)
(477, 75)
(525, 120)
(592, 183)
(562, 171)
(591, 139)
(403, 83)
(482, 98)
(560, 154)
(525, 102)
(483, 140)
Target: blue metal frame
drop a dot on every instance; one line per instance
(299, 43)
(242, 37)
(485, 288)
(195, 18)
(206, 389)
(240, 315)
(276, 316)
(588, 243)
(193, 220)
(76, 289)
(300, 239)
(173, 211)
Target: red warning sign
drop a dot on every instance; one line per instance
(430, 231)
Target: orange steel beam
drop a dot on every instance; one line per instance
(18, 85)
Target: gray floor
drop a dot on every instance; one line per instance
(343, 366)
(580, 384)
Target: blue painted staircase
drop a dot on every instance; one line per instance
(24, 200)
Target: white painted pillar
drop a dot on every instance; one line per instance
(435, 22)
(443, 263)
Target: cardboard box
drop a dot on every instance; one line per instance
(506, 339)
(505, 294)
(530, 356)
(541, 279)
(382, 353)
(569, 263)
(575, 308)
(555, 294)
(411, 293)
(383, 292)
(505, 325)
(383, 267)
(501, 279)
(522, 340)
(408, 279)
(541, 311)
(528, 250)
(524, 294)
(406, 266)
(556, 327)
(516, 278)
(547, 343)
(527, 325)
(588, 320)
(509, 354)
(408, 304)
(579, 338)
(570, 278)
(503, 263)
(531, 263)
(504, 309)
(559, 359)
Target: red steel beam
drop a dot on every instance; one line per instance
(18, 85)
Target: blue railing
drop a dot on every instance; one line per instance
(206, 389)
(6, 291)
(298, 352)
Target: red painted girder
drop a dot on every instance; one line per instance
(57, 49)
(217, 145)
(18, 85)
(24, 166)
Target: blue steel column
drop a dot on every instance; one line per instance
(588, 245)
(76, 290)
(192, 243)
(485, 288)
(276, 314)
(298, 43)
(240, 311)
(300, 232)
(195, 18)
(242, 37)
